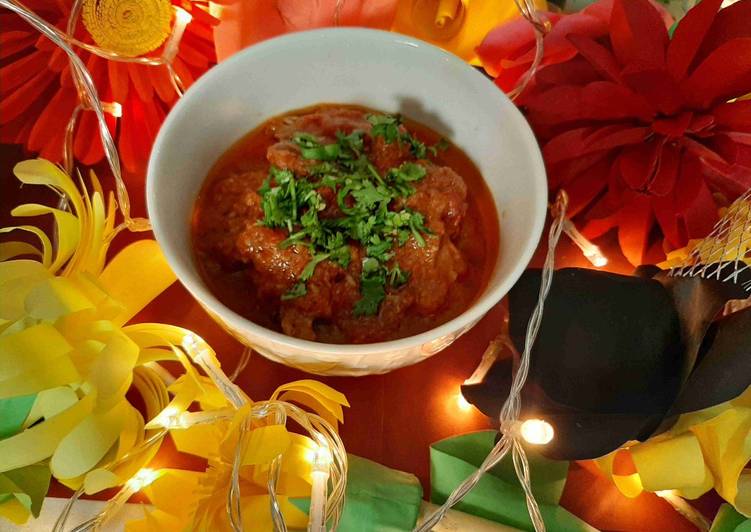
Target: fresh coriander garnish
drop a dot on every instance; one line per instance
(363, 195)
(388, 127)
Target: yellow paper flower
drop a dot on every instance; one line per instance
(703, 450)
(66, 362)
(455, 25)
(204, 494)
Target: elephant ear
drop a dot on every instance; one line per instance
(698, 302)
(579, 435)
(724, 368)
(608, 343)
(605, 366)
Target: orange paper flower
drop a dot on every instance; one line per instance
(245, 23)
(38, 95)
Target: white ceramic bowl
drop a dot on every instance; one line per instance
(381, 70)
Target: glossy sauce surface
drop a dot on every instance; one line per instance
(242, 264)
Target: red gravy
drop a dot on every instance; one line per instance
(242, 264)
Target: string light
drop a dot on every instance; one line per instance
(680, 505)
(591, 251)
(462, 404)
(320, 476)
(536, 431)
(509, 441)
(143, 478)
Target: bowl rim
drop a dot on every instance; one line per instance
(203, 295)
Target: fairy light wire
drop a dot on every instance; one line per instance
(510, 440)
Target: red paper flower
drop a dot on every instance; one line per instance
(37, 94)
(508, 50)
(641, 129)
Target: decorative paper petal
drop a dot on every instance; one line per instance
(13, 412)
(480, 16)
(66, 225)
(638, 33)
(43, 239)
(266, 443)
(727, 448)
(112, 371)
(674, 463)
(689, 35)
(100, 479)
(51, 402)
(135, 292)
(326, 397)
(28, 485)
(43, 172)
(29, 350)
(55, 298)
(722, 75)
(200, 440)
(40, 441)
(9, 250)
(84, 446)
(727, 520)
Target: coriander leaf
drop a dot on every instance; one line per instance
(397, 277)
(373, 293)
(386, 126)
(298, 290)
(310, 267)
(368, 196)
(341, 256)
(441, 145)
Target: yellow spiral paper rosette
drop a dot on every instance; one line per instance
(128, 27)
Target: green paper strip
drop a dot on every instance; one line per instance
(498, 496)
(728, 520)
(13, 412)
(27, 484)
(378, 499)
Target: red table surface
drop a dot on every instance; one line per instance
(393, 418)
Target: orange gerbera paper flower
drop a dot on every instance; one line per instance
(38, 95)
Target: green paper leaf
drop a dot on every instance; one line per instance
(498, 496)
(378, 499)
(729, 520)
(27, 484)
(13, 412)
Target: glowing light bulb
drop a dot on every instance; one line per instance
(462, 404)
(318, 494)
(537, 431)
(321, 458)
(589, 250)
(113, 108)
(595, 256)
(143, 478)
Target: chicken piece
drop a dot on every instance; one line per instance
(441, 196)
(388, 155)
(275, 270)
(433, 268)
(286, 155)
(235, 205)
